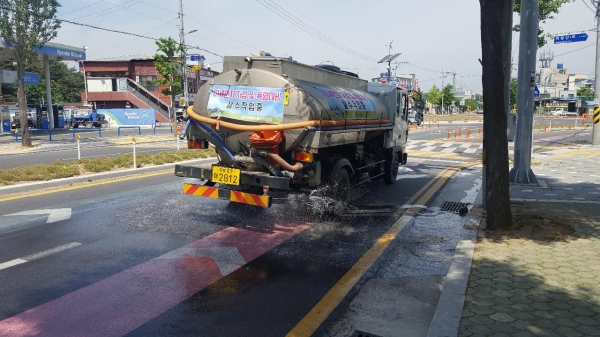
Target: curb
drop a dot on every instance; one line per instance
(97, 176)
(448, 313)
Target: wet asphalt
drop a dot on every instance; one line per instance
(120, 226)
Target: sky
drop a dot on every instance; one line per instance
(432, 35)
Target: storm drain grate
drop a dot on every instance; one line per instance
(363, 334)
(454, 207)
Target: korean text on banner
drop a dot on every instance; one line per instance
(348, 103)
(252, 104)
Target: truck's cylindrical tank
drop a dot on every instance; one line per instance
(257, 96)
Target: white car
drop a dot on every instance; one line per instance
(558, 112)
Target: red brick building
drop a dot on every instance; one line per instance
(131, 84)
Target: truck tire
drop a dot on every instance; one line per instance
(88, 125)
(340, 184)
(392, 165)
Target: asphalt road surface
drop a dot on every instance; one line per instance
(136, 257)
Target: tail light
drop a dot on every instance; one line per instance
(306, 157)
(198, 144)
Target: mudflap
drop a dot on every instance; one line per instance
(263, 201)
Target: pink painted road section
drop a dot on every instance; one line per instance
(553, 138)
(125, 301)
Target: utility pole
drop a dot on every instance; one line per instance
(389, 68)
(596, 128)
(521, 171)
(443, 75)
(183, 58)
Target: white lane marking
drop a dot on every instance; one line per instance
(228, 259)
(39, 255)
(449, 150)
(412, 176)
(466, 145)
(54, 215)
(446, 145)
(471, 151)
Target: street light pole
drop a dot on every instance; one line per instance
(596, 116)
(183, 56)
(85, 77)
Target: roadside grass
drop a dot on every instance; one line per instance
(56, 170)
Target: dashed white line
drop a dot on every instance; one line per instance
(39, 255)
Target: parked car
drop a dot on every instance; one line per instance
(558, 112)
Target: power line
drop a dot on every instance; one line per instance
(113, 9)
(283, 10)
(82, 8)
(135, 38)
(309, 30)
(133, 34)
(227, 36)
(588, 6)
(576, 50)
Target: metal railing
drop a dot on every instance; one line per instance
(147, 97)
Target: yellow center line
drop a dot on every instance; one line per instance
(573, 153)
(317, 315)
(86, 185)
(593, 155)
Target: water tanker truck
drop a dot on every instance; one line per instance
(281, 127)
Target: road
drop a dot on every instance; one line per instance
(134, 256)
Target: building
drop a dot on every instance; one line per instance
(132, 84)
(558, 83)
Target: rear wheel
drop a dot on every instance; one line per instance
(340, 185)
(392, 165)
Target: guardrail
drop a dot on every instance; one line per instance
(129, 127)
(96, 128)
(34, 131)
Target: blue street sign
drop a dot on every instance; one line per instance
(194, 57)
(536, 92)
(581, 37)
(383, 75)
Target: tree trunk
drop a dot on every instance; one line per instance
(495, 142)
(22, 99)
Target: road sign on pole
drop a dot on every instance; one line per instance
(581, 37)
(536, 92)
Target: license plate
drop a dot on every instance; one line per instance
(226, 175)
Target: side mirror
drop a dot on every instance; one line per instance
(419, 106)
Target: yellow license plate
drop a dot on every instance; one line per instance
(226, 175)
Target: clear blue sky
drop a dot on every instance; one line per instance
(431, 34)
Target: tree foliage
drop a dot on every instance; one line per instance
(66, 83)
(449, 96)
(548, 10)
(474, 104)
(513, 92)
(27, 24)
(586, 93)
(434, 96)
(169, 67)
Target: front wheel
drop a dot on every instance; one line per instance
(392, 165)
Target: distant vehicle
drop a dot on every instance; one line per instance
(479, 111)
(558, 112)
(86, 118)
(31, 120)
(179, 114)
(413, 119)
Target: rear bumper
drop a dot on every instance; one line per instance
(263, 201)
(248, 178)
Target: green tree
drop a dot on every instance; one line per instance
(548, 10)
(66, 84)
(495, 32)
(513, 92)
(473, 104)
(434, 96)
(587, 93)
(449, 97)
(27, 24)
(169, 67)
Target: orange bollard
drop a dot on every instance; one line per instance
(545, 128)
(438, 125)
(569, 126)
(423, 126)
(430, 125)
(448, 133)
(460, 131)
(479, 130)
(454, 133)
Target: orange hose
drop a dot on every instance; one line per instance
(281, 127)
